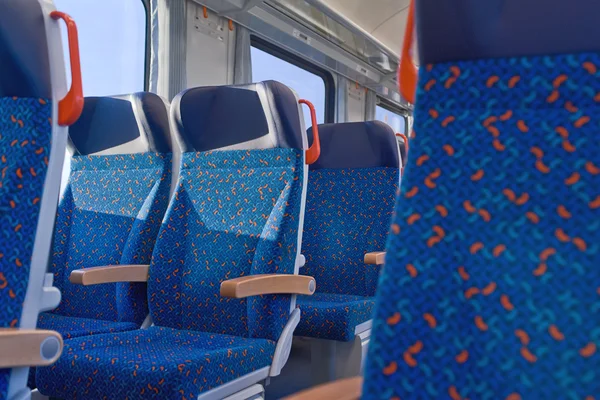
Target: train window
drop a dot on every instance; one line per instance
(112, 44)
(310, 83)
(395, 120)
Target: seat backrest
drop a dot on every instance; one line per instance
(236, 210)
(350, 198)
(491, 283)
(114, 202)
(32, 147)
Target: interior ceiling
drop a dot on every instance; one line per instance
(384, 19)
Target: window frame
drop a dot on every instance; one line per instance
(389, 106)
(148, 49)
(291, 58)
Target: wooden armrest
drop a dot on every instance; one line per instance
(110, 274)
(29, 347)
(375, 257)
(344, 389)
(255, 285)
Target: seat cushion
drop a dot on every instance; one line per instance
(333, 316)
(72, 327)
(153, 363)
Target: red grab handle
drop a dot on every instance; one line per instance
(313, 153)
(70, 108)
(403, 136)
(407, 73)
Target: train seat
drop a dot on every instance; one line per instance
(223, 275)
(491, 282)
(490, 288)
(110, 212)
(350, 198)
(33, 134)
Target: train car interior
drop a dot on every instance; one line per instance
(299, 199)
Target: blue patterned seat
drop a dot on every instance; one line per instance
(32, 147)
(110, 212)
(498, 297)
(350, 198)
(236, 211)
(161, 363)
(333, 316)
(70, 327)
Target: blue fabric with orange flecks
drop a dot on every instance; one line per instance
(237, 213)
(491, 288)
(110, 214)
(348, 214)
(25, 132)
(333, 316)
(234, 213)
(153, 363)
(71, 327)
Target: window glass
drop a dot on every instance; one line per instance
(112, 44)
(396, 121)
(307, 85)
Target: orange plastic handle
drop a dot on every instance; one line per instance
(314, 151)
(403, 136)
(407, 73)
(70, 108)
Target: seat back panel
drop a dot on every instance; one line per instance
(499, 288)
(348, 213)
(25, 131)
(234, 213)
(350, 197)
(110, 214)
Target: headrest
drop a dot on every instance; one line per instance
(457, 30)
(124, 124)
(24, 61)
(356, 145)
(254, 116)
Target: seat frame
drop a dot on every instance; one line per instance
(48, 298)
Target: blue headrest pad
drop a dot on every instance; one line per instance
(356, 145)
(24, 61)
(459, 30)
(134, 123)
(217, 117)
